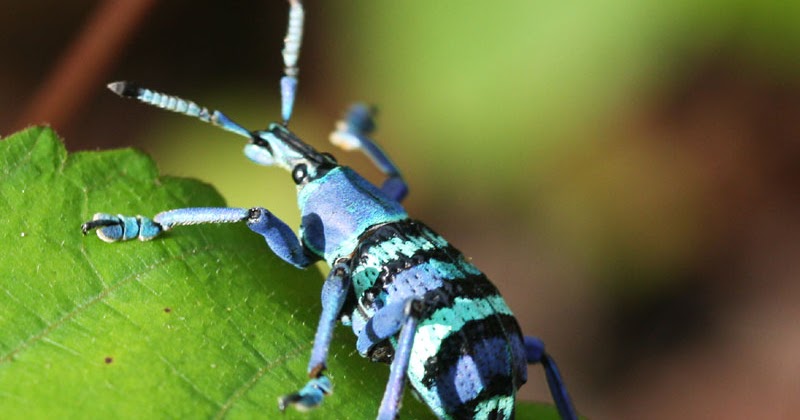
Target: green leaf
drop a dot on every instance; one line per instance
(203, 322)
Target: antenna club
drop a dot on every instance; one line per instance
(124, 89)
(291, 53)
(288, 94)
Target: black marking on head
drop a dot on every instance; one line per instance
(108, 360)
(330, 157)
(323, 161)
(260, 142)
(167, 310)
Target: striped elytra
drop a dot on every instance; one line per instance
(468, 358)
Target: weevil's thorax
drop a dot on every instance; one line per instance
(337, 208)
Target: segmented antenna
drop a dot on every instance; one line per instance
(291, 52)
(176, 104)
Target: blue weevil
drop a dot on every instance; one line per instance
(412, 299)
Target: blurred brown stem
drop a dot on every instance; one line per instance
(84, 65)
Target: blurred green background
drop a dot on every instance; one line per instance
(627, 173)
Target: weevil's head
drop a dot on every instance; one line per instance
(336, 204)
(277, 146)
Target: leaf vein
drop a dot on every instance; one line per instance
(97, 298)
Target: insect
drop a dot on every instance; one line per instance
(411, 298)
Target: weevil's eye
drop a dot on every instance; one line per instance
(300, 173)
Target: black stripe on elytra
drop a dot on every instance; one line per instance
(404, 230)
(391, 269)
(466, 410)
(511, 326)
(463, 342)
(470, 287)
(473, 286)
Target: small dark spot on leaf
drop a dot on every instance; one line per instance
(167, 310)
(109, 360)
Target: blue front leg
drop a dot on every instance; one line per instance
(534, 351)
(279, 236)
(111, 228)
(334, 293)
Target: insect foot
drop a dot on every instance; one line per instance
(309, 397)
(117, 228)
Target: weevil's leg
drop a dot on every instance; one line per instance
(390, 405)
(384, 324)
(113, 228)
(177, 104)
(291, 52)
(334, 293)
(352, 133)
(534, 351)
(309, 397)
(279, 236)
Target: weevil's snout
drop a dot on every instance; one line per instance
(279, 147)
